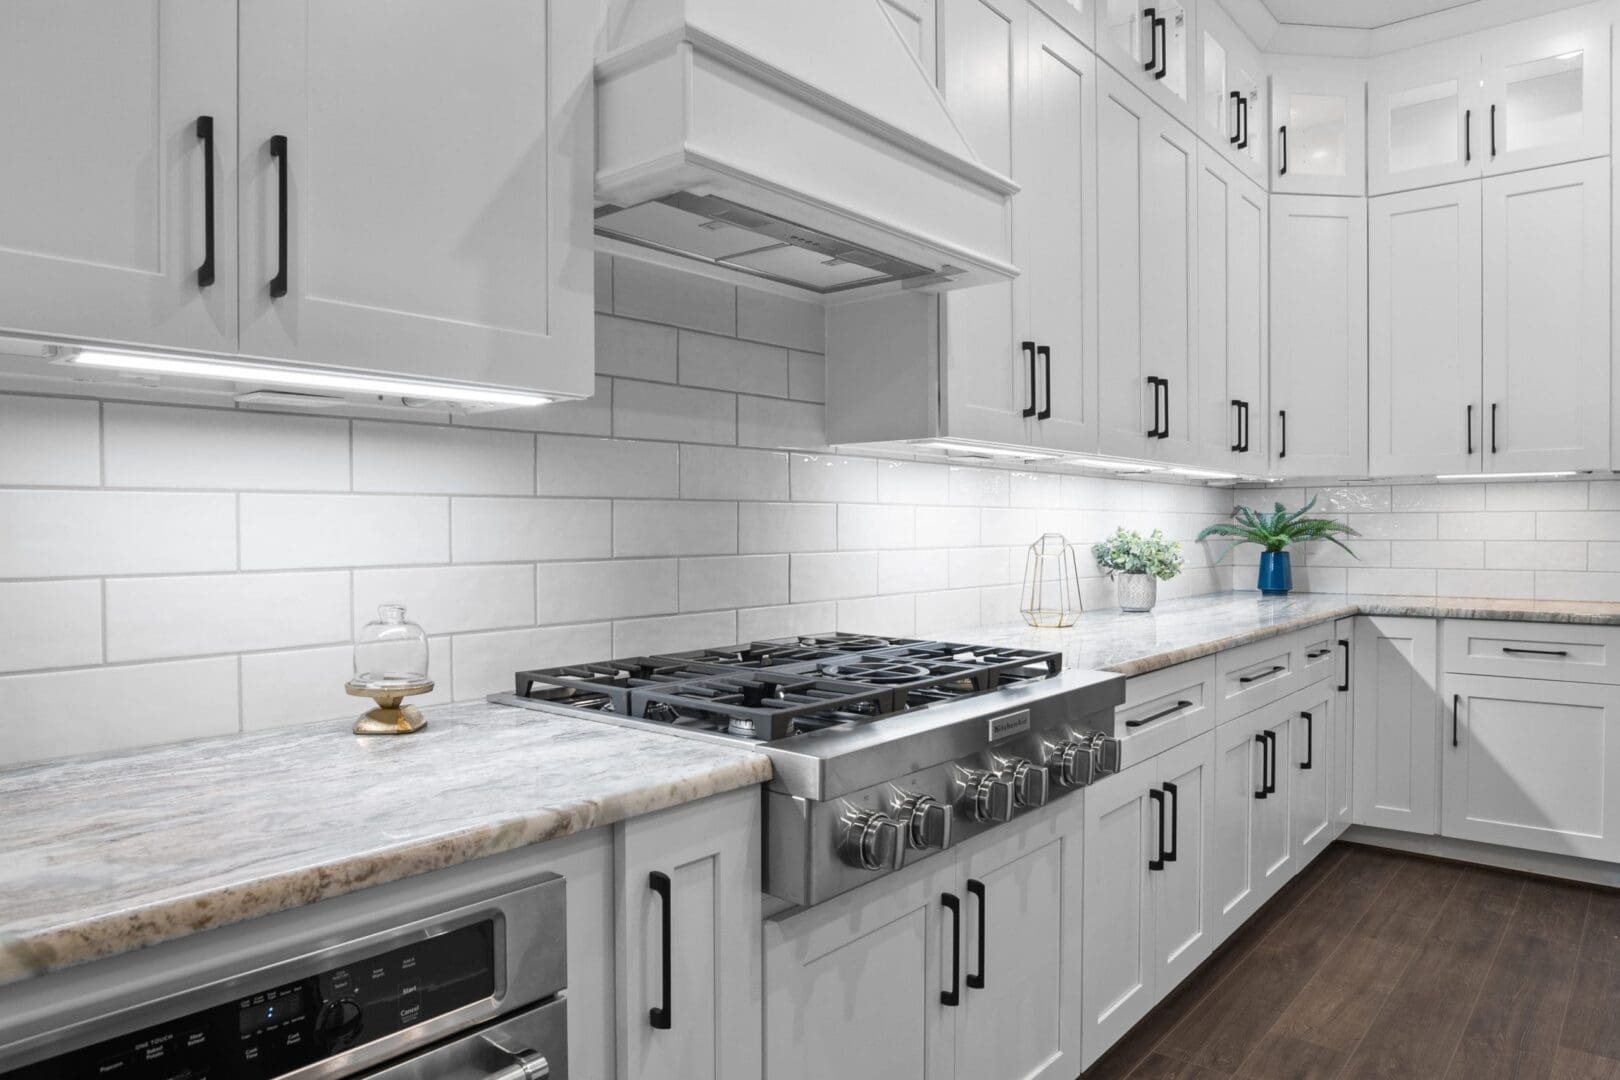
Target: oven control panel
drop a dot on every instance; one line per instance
(280, 1029)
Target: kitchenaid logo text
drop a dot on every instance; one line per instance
(1012, 724)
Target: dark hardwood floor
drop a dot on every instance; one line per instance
(1377, 964)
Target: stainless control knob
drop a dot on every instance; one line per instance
(1073, 764)
(1105, 749)
(927, 821)
(1030, 783)
(873, 841)
(988, 797)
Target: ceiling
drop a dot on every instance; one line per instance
(1355, 14)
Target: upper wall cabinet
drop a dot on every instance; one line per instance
(1531, 94)
(1231, 112)
(1318, 132)
(917, 23)
(1154, 45)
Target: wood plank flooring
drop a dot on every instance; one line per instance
(1377, 964)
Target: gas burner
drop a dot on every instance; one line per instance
(780, 652)
(605, 686)
(763, 704)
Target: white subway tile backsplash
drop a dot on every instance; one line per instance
(1036, 489)
(1362, 552)
(733, 581)
(1603, 556)
(971, 486)
(786, 620)
(869, 527)
(1010, 527)
(878, 615)
(1567, 585)
(723, 363)
(980, 566)
(1488, 525)
(832, 575)
(524, 530)
(643, 410)
(295, 532)
(1417, 498)
(1578, 525)
(914, 482)
(429, 458)
(913, 571)
(1603, 495)
(781, 320)
(947, 610)
(1361, 579)
(829, 478)
(607, 468)
(58, 713)
(1437, 554)
(1536, 495)
(300, 686)
(721, 472)
(1508, 584)
(659, 294)
(486, 663)
(673, 633)
(947, 526)
(635, 350)
(47, 624)
(1535, 555)
(674, 528)
(449, 599)
(155, 618)
(589, 416)
(158, 446)
(1395, 526)
(577, 592)
(807, 376)
(83, 533)
(1101, 493)
(764, 528)
(1351, 499)
(999, 603)
(50, 441)
(781, 424)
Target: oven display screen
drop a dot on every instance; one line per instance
(268, 1014)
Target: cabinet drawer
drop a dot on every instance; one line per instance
(1318, 657)
(1567, 653)
(1164, 708)
(1258, 674)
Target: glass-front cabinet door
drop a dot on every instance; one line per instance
(1424, 119)
(1154, 45)
(1318, 133)
(1229, 104)
(1547, 93)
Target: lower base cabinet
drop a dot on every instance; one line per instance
(1397, 732)
(965, 965)
(1251, 854)
(1344, 642)
(1310, 806)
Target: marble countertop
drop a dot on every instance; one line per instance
(1134, 643)
(103, 855)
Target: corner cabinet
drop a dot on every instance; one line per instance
(1318, 131)
(1231, 112)
(1397, 724)
(1154, 45)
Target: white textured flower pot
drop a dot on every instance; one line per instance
(1137, 592)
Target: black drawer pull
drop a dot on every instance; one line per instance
(1158, 798)
(1318, 654)
(977, 891)
(1265, 756)
(661, 1016)
(1456, 707)
(1310, 740)
(1534, 652)
(1171, 790)
(1266, 674)
(1171, 711)
(1271, 762)
(953, 997)
(278, 150)
(205, 132)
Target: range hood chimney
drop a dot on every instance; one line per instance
(795, 140)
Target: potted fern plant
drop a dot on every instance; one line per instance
(1275, 532)
(1137, 564)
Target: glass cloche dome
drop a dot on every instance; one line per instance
(390, 652)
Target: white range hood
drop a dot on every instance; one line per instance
(795, 140)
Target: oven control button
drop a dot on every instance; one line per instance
(1030, 783)
(1073, 764)
(873, 841)
(927, 821)
(987, 797)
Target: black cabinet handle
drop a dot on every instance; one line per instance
(1271, 761)
(1283, 415)
(953, 996)
(1344, 687)
(1237, 447)
(1468, 426)
(1257, 676)
(1158, 797)
(278, 150)
(1456, 707)
(1493, 427)
(1493, 132)
(1237, 117)
(1247, 429)
(1164, 432)
(976, 890)
(1171, 711)
(1243, 116)
(1171, 790)
(661, 1016)
(1534, 652)
(1045, 353)
(205, 132)
(1318, 654)
(1282, 138)
(1162, 27)
(1153, 39)
(1153, 432)
(1029, 354)
(1310, 740)
(1265, 756)
(1468, 136)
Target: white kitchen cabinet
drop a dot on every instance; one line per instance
(1319, 131)
(1532, 764)
(1250, 851)
(1182, 934)
(105, 212)
(1231, 110)
(1546, 90)
(1318, 336)
(1546, 329)
(414, 204)
(1423, 118)
(1146, 195)
(1344, 631)
(917, 23)
(1154, 46)
(688, 933)
(1425, 322)
(1232, 218)
(1315, 723)
(1397, 724)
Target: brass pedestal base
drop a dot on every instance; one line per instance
(390, 717)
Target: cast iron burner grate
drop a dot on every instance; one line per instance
(605, 686)
(764, 704)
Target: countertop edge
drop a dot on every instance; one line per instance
(1160, 661)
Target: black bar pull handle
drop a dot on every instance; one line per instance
(1174, 793)
(1468, 426)
(1164, 432)
(1029, 354)
(1456, 707)
(1153, 432)
(1158, 798)
(1318, 654)
(1493, 427)
(1243, 115)
(1282, 414)
(953, 904)
(1162, 27)
(1150, 15)
(1045, 353)
(1493, 132)
(1271, 761)
(278, 150)
(1282, 137)
(1468, 136)
(1513, 650)
(977, 891)
(1344, 687)
(1310, 740)
(1237, 447)
(1246, 427)
(660, 1016)
(1257, 676)
(1237, 117)
(1265, 756)
(205, 132)
(1171, 711)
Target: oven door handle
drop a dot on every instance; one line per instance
(526, 1064)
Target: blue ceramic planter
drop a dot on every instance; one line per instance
(1276, 573)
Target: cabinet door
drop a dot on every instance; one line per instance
(1310, 805)
(103, 205)
(1122, 835)
(1274, 860)
(1231, 91)
(438, 197)
(1182, 938)
(1532, 764)
(1424, 331)
(1152, 44)
(688, 898)
(990, 374)
(1319, 124)
(1397, 729)
(1021, 1020)
(1343, 723)
(1547, 318)
(1231, 293)
(1547, 91)
(1235, 890)
(1318, 336)
(1423, 118)
(853, 986)
(917, 23)
(1056, 219)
